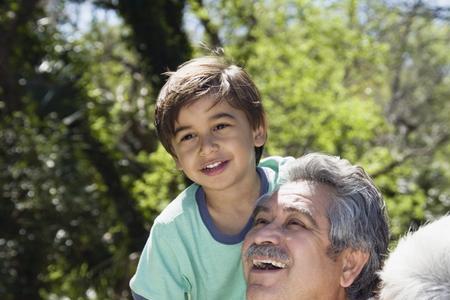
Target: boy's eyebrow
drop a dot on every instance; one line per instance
(222, 115)
(181, 128)
(213, 117)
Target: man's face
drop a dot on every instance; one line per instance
(284, 254)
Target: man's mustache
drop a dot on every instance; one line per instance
(266, 251)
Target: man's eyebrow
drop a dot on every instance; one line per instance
(258, 209)
(304, 212)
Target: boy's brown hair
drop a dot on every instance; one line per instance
(206, 76)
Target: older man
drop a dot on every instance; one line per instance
(322, 235)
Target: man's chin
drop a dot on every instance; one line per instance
(257, 293)
(266, 278)
(261, 292)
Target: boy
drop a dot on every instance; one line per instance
(209, 117)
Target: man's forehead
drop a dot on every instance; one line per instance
(299, 194)
(300, 187)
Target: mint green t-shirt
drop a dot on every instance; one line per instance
(187, 257)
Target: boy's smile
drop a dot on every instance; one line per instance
(214, 168)
(214, 144)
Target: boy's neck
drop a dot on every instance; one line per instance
(231, 209)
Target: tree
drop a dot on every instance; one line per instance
(360, 79)
(414, 103)
(63, 174)
(82, 174)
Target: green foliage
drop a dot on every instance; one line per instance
(74, 114)
(303, 71)
(43, 211)
(364, 80)
(161, 184)
(405, 200)
(116, 86)
(83, 176)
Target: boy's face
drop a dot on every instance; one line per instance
(214, 144)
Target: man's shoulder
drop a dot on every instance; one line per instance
(275, 162)
(180, 207)
(272, 167)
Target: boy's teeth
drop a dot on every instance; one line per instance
(213, 165)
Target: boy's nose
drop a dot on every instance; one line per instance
(208, 145)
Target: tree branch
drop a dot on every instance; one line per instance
(445, 138)
(210, 28)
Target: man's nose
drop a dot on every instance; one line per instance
(269, 234)
(208, 145)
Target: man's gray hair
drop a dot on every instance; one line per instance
(357, 213)
(419, 267)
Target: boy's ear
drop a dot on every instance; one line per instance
(260, 136)
(353, 261)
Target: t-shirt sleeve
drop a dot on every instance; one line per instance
(277, 164)
(158, 275)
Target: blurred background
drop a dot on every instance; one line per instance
(82, 175)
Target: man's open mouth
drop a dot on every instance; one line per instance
(267, 264)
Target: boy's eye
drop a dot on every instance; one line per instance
(220, 126)
(187, 137)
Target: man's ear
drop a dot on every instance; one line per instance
(260, 136)
(353, 262)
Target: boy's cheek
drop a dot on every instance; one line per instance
(177, 163)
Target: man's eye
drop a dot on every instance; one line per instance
(260, 221)
(295, 223)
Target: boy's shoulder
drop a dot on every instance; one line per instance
(181, 206)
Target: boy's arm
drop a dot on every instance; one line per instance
(158, 275)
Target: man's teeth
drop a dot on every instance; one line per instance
(265, 263)
(213, 165)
